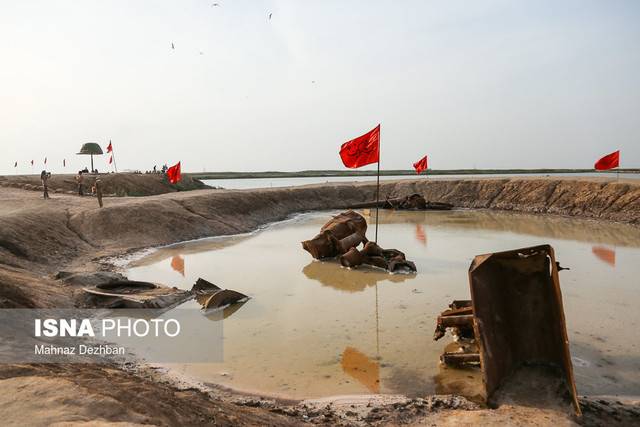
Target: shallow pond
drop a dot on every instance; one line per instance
(315, 329)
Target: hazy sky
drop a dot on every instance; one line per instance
(487, 84)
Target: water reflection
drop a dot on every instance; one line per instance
(332, 274)
(360, 367)
(177, 264)
(605, 254)
(421, 235)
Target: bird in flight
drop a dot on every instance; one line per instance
(172, 46)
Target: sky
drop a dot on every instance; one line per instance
(481, 84)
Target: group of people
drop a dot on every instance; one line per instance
(95, 189)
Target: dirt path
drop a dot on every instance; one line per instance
(39, 238)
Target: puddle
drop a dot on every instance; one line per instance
(314, 329)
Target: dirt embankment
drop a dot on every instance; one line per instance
(120, 184)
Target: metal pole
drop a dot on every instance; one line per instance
(113, 156)
(91, 163)
(378, 189)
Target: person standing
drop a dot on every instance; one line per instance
(97, 188)
(79, 180)
(44, 177)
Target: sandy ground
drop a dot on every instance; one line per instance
(39, 238)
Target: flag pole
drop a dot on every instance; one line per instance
(378, 189)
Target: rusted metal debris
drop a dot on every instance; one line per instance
(415, 202)
(412, 202)
(134, 294)
(122, 293)
(518, 315)
(210, 296)
(342, 235)
(458, 320)
(514, 319)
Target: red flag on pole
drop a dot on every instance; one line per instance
(109, 148)
(609, 161)
(173, 173)
(420, 165)
(362, 150)
(110, 159)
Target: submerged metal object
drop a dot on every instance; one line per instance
(210, 296)
(134, 294)
(415, 202)
(518, 316)
(341, 236)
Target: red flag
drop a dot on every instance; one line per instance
(173, 173)
(362, 150)
(110, 158)
(609, 161)
(420, 165)
(109, 148)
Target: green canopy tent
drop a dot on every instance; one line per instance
(91, 148)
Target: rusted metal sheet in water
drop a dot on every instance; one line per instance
(518, 315)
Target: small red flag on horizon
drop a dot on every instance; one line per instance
(173, 173)
(111, 159)
(609, 161)
(109, 148)
(362, 150)
(420, 165)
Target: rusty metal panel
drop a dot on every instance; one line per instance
(518, 315)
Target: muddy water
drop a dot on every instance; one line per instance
(315, 329)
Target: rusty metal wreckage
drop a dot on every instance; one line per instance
(514, 319)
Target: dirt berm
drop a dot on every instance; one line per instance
(120, 184)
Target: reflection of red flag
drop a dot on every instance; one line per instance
(605, 254)
(420, 165)
(421, 236)
(363, 369)
(173, 173)
(177, 263)
(362, 150)
(109, 147)
(609, 161)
